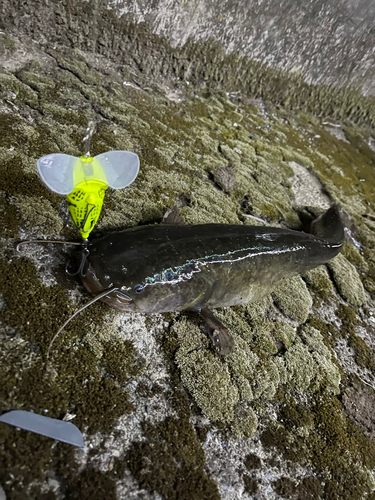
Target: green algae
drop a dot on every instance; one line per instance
(6, 44)
(243, 365)
(37, 215)
(293, 298)
(309, 488)
(204, 374)
(32, 76)
(252, 461)
(77, 384)
(358, 141)
(319, 281)
(171, 459)
(297, 418)
(92, 483)
(308, 363)
(245, 421)
(348, 316)
(224, 391)
(328, 330)
(327, 373)
(238, 73)
(229, 154)
(115, 353)
(9, 83)
(263, 187)
(170, 462)
(251, 485)
(93, 401)
(251, 324)
(17, 465)
(285, 487)
(25, 464)
(285, 333)
(262, 331)
(292, 155)
(75, 62)
(363, 354)
(331, 434)
(351, 253)
(346, 173)
(347, 280)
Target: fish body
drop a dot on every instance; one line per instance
(160, 268)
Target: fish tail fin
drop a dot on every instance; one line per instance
(329, 226)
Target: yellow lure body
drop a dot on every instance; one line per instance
(86, 200)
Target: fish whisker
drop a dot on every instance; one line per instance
(92, 301)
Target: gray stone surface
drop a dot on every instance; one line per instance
(328, 41)
(163, 415)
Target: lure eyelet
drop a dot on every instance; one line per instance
(138, 289)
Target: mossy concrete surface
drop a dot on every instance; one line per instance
(163, 414)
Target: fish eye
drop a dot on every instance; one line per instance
(138, 289)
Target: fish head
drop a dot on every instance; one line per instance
(130, 292)
(122, 296)
(134, 292)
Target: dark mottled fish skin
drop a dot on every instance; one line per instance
(161, 268)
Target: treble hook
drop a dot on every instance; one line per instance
(85, 254)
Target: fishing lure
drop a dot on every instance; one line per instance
(85, 179)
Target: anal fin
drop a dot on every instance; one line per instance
(218, 333)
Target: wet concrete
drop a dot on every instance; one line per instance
(327, 41)
(295, 420)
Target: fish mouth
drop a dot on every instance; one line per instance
(117, 299)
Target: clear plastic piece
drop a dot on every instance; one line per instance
(56, 171)
(121, 167)
(46, 426)
(62, 173)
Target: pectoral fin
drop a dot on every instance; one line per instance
(219, 335)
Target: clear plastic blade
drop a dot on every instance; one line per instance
(46, 426)
(62, 173)
(56, 171)
(120, 167)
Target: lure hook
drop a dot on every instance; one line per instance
(85, 254)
